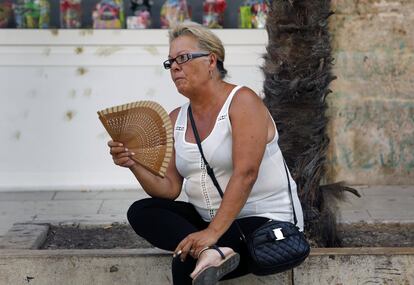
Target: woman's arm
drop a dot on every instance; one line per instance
(168, 187)
(249, 120)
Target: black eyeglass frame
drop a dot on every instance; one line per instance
(168, 63)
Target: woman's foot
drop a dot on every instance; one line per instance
(213, 264)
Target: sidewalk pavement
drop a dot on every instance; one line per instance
(378, 204)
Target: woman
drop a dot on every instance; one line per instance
(239, 140)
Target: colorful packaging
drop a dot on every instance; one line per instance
(44, 17)
(173, 12)
(245, 17)
(18, 10)
(70, 14)
(260, 10)
(213, 13)
(109, 14)
(141, 10)
(32, 14)
(253, 14)
(6, 14)
(141, 21)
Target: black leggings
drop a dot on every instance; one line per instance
(165, 223)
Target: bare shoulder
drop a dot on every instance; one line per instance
(246, 100)
(174, 115)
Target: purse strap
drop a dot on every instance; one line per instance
(210, 171)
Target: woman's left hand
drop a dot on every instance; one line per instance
(195, 242)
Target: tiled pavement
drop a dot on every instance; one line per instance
(378, 204)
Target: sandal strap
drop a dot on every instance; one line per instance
(212, 247)
(219, 251)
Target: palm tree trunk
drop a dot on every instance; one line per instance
(297, 75)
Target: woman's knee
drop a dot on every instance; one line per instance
(141, 207)
(136, 208)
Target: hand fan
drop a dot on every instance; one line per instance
(145, 128)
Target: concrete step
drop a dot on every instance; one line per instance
(151, 266)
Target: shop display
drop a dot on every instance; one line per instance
(70, 14)
(245, 17)
(173, 12)
(32, 14)
(252, 14)
(44, 17)
(6, 14)
(109, 14)
(141, 18)
(18, 11)
(259, 14)
(213, 13)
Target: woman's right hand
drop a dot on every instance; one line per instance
(120, 154)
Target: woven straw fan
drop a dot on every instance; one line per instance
(145, 128)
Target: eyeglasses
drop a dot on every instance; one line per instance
(182, 58)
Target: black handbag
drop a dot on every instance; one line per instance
(274, 247)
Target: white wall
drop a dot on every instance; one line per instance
(53, 82)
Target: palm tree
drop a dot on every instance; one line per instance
(297, 73)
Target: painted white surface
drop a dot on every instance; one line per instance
(53, 82)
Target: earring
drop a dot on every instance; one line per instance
(211, 74)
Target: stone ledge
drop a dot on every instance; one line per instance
(103, 267)
(152, 266)
(353, 266)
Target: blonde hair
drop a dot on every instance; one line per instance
(207, 41)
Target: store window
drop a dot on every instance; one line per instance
(228, 14)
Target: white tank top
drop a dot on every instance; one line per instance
(270, 194)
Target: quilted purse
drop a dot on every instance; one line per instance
(274, 247)
(277, 246)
